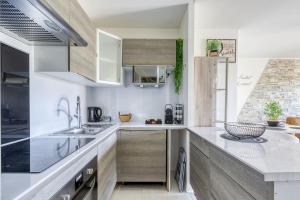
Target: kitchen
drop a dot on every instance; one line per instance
(114, 102)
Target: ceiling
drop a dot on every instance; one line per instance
(135, 13)
(240, 14)
(267, 28)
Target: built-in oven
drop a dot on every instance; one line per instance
(15, 101)
(83, 186)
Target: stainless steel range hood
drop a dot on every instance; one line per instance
(35, 24)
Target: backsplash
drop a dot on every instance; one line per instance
(143, 103)
(279, 81)
(45, 93)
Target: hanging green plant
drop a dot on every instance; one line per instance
(178, 71)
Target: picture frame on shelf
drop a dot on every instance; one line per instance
(221, 48)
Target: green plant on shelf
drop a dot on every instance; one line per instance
(273, 110)
(213, 46)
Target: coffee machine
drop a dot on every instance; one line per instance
(168, 114)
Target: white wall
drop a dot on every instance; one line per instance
(249, 72)
(45, 92)
(184, 34)
(200, 37)
(280, 42)
(187, 33)
(257, 45)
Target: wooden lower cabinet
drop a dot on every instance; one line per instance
(142, 156)
(245, 176)
(215, 175)
(107, 168)
(223, 187)
(199, 171)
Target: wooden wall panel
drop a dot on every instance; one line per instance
(204, 91)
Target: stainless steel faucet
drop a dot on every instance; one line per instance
(70, 118)
(78, 113)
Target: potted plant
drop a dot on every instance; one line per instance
(213, 48)
(273, 111)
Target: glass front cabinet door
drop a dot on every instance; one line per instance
(109, 59)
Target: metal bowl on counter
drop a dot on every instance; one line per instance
(244, 130)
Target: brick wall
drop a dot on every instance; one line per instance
(280, 81)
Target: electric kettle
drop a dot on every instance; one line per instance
(94, 114)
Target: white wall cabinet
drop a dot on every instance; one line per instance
(109, 58)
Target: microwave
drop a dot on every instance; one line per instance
(149, 75)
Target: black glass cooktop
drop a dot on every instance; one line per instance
(37, 154)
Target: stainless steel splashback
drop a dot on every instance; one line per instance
(33, 23)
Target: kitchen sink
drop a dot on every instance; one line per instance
(88, 129)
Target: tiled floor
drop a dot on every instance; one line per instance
(148, 192)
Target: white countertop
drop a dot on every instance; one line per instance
(141, 125)
(278, 159)
(22, 185)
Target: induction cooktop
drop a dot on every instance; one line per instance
(37, 154)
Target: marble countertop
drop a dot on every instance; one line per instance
(278, 159)
(23, 185)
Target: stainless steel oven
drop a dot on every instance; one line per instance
(83, 186)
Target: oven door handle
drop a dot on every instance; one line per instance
(91, 185)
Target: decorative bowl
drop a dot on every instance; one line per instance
(244, 130)
(125, 117)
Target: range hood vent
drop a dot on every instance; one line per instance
(34, 24)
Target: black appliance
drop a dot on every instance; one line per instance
(168, 114)
(82, 186)
(94, 114)
(179, 112)
(37, 154)
(15, 112)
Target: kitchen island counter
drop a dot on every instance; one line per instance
(277, 159)
(268, 170)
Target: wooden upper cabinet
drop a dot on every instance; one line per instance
(61, 7)
(83, 59)
(149, 52)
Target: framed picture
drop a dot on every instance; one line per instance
(222, 48)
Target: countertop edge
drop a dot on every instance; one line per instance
(89, 147)
(268, 176)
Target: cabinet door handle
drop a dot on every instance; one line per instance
(88, 195)
(65, 197)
